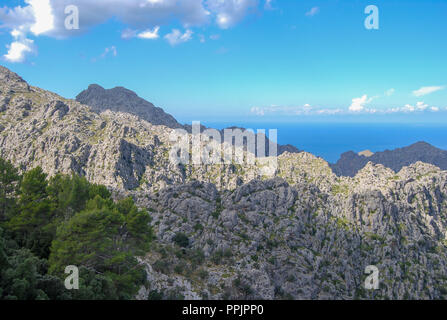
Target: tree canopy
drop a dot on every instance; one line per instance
(50, 223)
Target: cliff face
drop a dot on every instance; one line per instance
(299, 231)
(350, 163)
(120, 99)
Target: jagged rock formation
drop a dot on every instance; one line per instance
(350, 163)
(240, 231)
(120, 99)
(273, 240)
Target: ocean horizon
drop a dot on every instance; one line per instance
(330, 140)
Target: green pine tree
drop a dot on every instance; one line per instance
(32, 223)
(9, 182)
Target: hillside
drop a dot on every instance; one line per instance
(237, 231)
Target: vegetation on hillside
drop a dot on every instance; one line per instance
(47, 224)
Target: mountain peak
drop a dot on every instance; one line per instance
(120, 99)
(94, 87)
(350, 163)
(11, 82)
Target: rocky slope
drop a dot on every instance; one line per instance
(350, 163)
(278, 240)
(120, 99)
(243, 231)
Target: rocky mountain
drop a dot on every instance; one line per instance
(278, 240)
(350, 162)
(120, 99)
(243, 231)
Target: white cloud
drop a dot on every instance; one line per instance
(358, 107)
(408, 108)
(268, 5)
(258, 111)
(129, 33)
(110, 50)
(421, 105)
(176, 37)
(149, 34)
(427, 90)
(18, 49)
(313, 11)
(358, 104)
(329, 111)
(306, 109)
(107, 51)
(43, 15)
(230, 12)
(141, 17)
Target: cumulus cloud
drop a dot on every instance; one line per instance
(358, 108)
(142, 18)
(230, 12)
(313, 11)
(43, 16)
(49, 17)
(176, 37)
(427, 90)
(408, 108)
(358, 104)
(18, 49)
(137, 14)
(149, 34)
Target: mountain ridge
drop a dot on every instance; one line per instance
(350, 162)
(298, 232)
(124, 100)
(120, 99)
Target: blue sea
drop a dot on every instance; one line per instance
(330, 140)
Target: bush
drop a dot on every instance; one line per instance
(155, 295)
(203, 274)
(181, 240)
(198, 227)
(161, 266)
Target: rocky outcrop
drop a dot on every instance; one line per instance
(272, 240)
(350, 163)
(120, 99)
(123, 100)
(11, 83)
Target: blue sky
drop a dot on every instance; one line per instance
(244, 60)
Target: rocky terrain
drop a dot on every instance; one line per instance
(350, 162)
(232, 231)
(120, 99)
